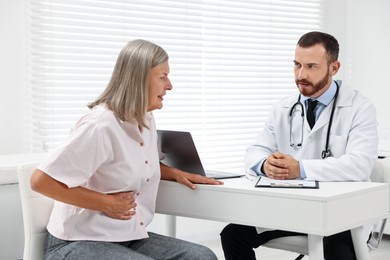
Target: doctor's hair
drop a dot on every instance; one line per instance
(328, 41)
(127, 91)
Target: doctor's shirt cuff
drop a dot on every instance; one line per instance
(302, 170)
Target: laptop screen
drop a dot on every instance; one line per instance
(180, 151)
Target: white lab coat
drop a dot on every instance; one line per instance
(353, 139)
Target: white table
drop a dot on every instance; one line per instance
(333, 208)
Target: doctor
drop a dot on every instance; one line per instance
(340, 146)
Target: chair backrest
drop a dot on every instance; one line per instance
(36, 210)
(381, 171)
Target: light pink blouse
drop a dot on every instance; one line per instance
(107, 155)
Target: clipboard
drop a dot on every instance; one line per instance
(264, 182)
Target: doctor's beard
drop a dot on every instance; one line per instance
(312, 89)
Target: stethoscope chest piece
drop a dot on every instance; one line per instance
(325, 154)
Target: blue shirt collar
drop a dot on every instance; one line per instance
(326, 97)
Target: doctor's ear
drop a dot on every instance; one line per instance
(334, 67)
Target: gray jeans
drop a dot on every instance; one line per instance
(155, 247)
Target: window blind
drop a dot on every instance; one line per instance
(230, 62)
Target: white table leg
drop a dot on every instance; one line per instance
(171, 225)
(316, 248)
(360, 243)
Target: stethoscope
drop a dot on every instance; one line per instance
(326, 152)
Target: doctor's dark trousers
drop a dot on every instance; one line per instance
(238, 242)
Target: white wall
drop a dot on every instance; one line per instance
(12, 116)
(368, 45)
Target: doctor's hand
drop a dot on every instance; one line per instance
(281, 166)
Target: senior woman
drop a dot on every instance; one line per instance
(104, 179)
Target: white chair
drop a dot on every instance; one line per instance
(299, 244)
(36, 210)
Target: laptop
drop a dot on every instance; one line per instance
(180, 152)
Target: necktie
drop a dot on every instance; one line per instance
(311, 118)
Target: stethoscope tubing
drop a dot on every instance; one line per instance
(326, 152)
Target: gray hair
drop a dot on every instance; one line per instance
(127, 91)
